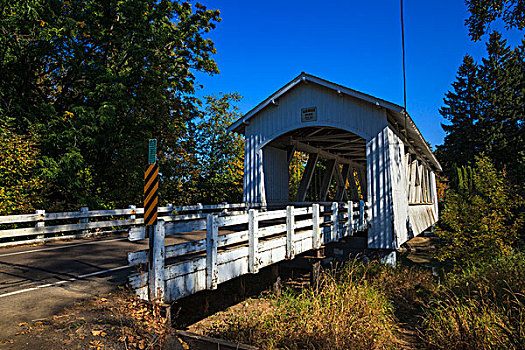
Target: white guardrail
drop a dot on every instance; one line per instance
(248, 241)
(42, 227)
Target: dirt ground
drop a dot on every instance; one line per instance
(114, 321)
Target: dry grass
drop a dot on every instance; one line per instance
(466, 324)
(482, 306)
(342, 315)
(371, 306)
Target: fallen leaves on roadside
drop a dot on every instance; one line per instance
(98, 333)
(119, 321)
(60, 316)
(96, 344)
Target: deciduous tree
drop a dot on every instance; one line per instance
(20, 186)
(95, 80)
(485, 12)
(220, 154)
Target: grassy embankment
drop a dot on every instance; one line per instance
(362, 306)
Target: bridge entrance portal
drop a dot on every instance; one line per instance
(315, 164)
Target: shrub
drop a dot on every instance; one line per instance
(479, 218)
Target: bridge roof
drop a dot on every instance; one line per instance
(396, 114)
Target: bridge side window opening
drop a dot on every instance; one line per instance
(419, 186)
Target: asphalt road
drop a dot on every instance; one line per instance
(38, 282)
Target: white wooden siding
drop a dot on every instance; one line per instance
(275, 174)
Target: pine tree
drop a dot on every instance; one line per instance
(462, 111)
(502, 107)
(485, 110)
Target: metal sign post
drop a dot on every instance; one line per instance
(151, 200)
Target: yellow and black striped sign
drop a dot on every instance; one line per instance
(151, 197)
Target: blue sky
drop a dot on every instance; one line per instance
(262, 45)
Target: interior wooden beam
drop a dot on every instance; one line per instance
(290, 151)
(303, 147)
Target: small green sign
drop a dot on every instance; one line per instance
(152, 151)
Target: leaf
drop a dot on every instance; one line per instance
(96, 332)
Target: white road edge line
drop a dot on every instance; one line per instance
(62, 247)
(73, 279)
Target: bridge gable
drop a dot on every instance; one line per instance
(327, 107)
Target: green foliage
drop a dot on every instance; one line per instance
(20, 187)
(485, 111)
(95, 80)
(493, 280)
(220, 154)
(479, 218)
(484, 12)
(295, 173)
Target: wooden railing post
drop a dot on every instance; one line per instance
(335, 221)
(156, 268)
(84, 220)
(368, 214)
(361, 214)
(253, 241)
(316, 243)
(350, 218)
(133, 215)
(40, 223)
(212, 233)
(290, 228)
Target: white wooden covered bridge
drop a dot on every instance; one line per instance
(357, 134)
(360, 149)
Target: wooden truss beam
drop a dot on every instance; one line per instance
(327, 179)
(341, 178)
(307, 177)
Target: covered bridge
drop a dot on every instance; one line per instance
(367, 149)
